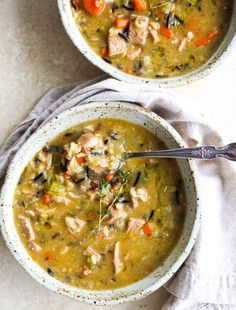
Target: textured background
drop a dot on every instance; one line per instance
(35, 55)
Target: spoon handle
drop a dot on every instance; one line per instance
(203, 152)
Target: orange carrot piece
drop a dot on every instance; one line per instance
(139, 5)
(121, 22)
(166, 32)
(201, 42)
(66, 176)
(108, 177)
(147, 229)
(80, 159)
(45, 199)
(49, 256)
(104, 52)
(204, 41)
(94, 7)
(128, 70)
(212, 34)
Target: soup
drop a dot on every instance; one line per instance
(90, 221)
(153, 38)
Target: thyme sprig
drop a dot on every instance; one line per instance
(124, 177)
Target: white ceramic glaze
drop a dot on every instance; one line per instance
(62, 122)
(78, 40)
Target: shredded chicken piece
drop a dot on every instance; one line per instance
(72, 149)
(90, 140)
(74, 224)
(73, 167)
(94, 256)
(85, 271)
(28, 231)
(34, 246)
(103, 232)
(92, 195)
(117, 213)
(117, 45)
(134, 201)
(133, 52)
(182, 44)
(154, 34)
(138, 29)
(46, 160)
(135, 225)
(116, 261)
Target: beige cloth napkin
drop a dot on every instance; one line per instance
(207, 280)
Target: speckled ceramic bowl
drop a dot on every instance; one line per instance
(74, 116)
(204, 70)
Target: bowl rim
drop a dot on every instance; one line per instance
(61, 289)
(78, 40)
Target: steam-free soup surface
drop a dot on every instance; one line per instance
(88, 224)
(153, 38)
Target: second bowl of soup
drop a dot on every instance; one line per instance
(151, 41)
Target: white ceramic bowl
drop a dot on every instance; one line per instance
(79, 41)
(74, 116)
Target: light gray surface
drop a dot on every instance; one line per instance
(35, 55)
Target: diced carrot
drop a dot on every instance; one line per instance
(139, 5)
(128, 70)
(192, 24)
(108, 177)
(204, 41)
(45, 199)
(201, 42)
(121, 22)
(80, 159)
(147, 229)
(104, 52)
(49, 256)
(212, 34)
(66, 176)
(166, 32)
(94, 7)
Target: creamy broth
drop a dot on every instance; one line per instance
(170, 38)
(88, 224)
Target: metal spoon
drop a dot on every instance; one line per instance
(203, 152)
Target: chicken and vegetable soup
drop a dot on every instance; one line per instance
(153, 38)
(90, 224)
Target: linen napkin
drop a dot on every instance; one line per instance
(207, 279)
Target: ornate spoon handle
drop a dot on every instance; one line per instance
(203, 152)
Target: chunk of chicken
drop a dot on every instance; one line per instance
(138, 29)
(93, 255)
(73, 167)
(72, 149)
(136, 194)
(85, 271)
(34, 246)
(133, 52)
(59, 199)
(90, 140)
(116, 261)
(103, 232)
(117, 213)
(27, 228)
(116, 44)
(45, 159)
(74, 224)
(135, 225)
